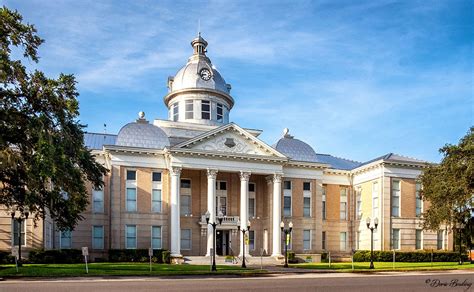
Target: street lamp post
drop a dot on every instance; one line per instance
(372, 228)
(21, 217)
(243, 241)
(287, 233)
(220, 217)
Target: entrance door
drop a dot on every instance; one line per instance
(222, 242)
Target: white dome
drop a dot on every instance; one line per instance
(142, 134)
(188, 77)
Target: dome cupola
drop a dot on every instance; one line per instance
(142, 134)
(295, 149)
(198, 93)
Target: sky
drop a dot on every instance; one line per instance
(354, 79)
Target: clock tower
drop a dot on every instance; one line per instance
(198, 93)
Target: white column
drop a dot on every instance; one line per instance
(175, 173)
(211, 207)
(276, 249)
(244, 209)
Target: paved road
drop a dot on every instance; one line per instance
(428, 281)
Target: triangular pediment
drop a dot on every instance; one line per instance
(230, 139)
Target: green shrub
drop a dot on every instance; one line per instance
(324, 257)
(55, 256)
(292, 257)
(6, 258)
(407, 256)
(136, 255)
(166, 257)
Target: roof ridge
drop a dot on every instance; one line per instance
(407, 156)
(347, 159)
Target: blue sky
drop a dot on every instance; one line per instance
(353, 79)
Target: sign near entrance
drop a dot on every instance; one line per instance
(15, 251)
(85, 251)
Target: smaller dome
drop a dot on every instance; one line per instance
(295, 149)
(142, 134)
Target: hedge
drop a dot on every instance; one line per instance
(139, 255)
(6, 258)
(408, 256)
(55, 256)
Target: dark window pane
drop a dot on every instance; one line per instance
(206, 116)
(156, 176)
(186, 183)
(223, 185)
(251, 187)
(307, 186)
(287, 185)
(131, 175)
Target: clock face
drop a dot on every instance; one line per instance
(205, 74)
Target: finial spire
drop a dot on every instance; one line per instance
(199, 27)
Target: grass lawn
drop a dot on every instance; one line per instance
(385, 266)
(114, 269)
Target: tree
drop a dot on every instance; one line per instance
(44, 164)
(449, 187)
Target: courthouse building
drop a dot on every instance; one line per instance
(165, 174)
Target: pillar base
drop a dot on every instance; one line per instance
(177, 259)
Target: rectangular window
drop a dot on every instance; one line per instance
(205, 110)
(375, 200)
(359, 203)
(185, 205)
(323, 240)
(186, 239)
(395, 238)
(306, 186)
(306, 239)
(251, 187)
(440, 239)
(16, 231)
(156, 176)
(131, 199)
(156, 237)
(156, 201)
(98, 201)
(251, 207)
(130, 236)
(306, 199)
(185, 184)
(65, 240)
(343, 204)
(175, 112)
(97, 237)
(189, 115)
(419, 201)
(131, 175)
(220, 113)
(185, 198)
(396, 198)
(307, 207)
(343, 241)
(324, 203)
(287, 199)
(418, 239)
(251, 240)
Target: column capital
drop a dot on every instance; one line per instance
(269, 179)
(277, 177)
(175, 170)
(244, 175)
(211, 173)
